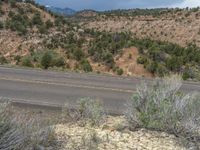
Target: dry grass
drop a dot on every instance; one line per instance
(20, 132)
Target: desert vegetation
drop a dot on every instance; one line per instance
(157, 110)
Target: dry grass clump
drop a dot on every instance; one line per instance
(18, 132)
(87, 111)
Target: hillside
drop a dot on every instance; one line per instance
(180, 26)
(174, 34)
(124, 43)
(29, 34)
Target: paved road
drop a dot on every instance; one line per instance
(56, 88)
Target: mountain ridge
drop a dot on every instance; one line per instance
(61, 11)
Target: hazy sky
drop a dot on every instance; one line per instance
(115, 4)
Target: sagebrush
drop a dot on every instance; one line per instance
(161, 106)
(87, 110)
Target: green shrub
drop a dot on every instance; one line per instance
(49, 24)
(85, 65)
(27, 62)
(130, 56)
(78, 54)
(1, 25)
(22, 30)
(46, 60)
(59, 21)
(59, 62)
(17, 59)
(161, 70)
(108, 59)
(186, 75)
(42, 29)
(152, 67)
(120, 71)
(18, 23)
(37, 20)
(3, 60)
(13, 3)
(142, 60)
(160, 106)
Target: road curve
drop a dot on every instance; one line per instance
(50, 88)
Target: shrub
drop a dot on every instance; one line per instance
(120, 71)
(186, 75)
(49, 24)
(78, 54)
(160, 106)
(3, 60)
(17, 59)
(18, 23)
(1, 25)
(13, 3)
(59, 62)
(22, 30)
(161, 70)
(130, 56)
(26, 61)
(42, 29)
(59, 21)
(37, 20)
(85, 65)
(46, 60)
(142, 60)
(152, 67)
(19, 27)
(91, 109)
(87, 110)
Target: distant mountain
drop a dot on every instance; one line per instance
(61, 11)
(87, 13)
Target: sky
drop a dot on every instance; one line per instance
(118, 4)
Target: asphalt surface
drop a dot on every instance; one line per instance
(49, 88)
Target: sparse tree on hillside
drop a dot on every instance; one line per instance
(49, 24)
(37, 20)
(46, 60)
(1, 25)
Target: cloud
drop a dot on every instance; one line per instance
(189, 3)
(110, 4)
